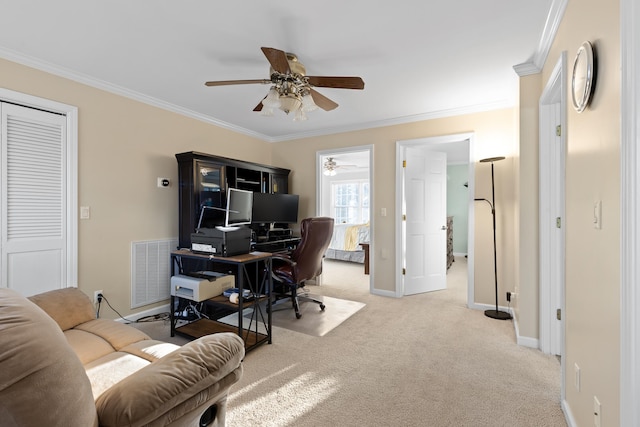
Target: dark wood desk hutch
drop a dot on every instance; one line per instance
(203, 180)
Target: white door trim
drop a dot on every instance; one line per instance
(71, 114)
(630, 212)
(399, 209)
(551, 270)
(552, 284)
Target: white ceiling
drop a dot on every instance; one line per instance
(419, 59)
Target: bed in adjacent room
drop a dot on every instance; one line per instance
(345, 242)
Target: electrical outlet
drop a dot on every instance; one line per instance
(597, 412)
(508, 296)
(95, 296)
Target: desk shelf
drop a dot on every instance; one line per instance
(255, 330)
(201, 327)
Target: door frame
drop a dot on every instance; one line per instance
(630, 210)
(553, 265)
(552, 268)
(320, 189)
(434, 141)
(71, 114)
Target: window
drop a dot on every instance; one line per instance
(350, 201)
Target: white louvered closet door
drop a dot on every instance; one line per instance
(33, 203)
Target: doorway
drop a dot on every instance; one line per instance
(459, 149)
(344, 191)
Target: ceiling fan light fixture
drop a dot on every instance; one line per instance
(267, 112)
(308, 104)
(300, 115)
(329, 167)
(272, 100)
(289, 102)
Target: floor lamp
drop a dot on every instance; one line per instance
(494, 314)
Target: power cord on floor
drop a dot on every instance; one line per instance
(154, 318)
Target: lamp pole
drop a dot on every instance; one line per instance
(494, 314)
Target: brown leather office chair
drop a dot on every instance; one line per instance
(305, 262)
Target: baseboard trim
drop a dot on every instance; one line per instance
(384, 293)
(520, 340)
(568, 416)
(524, 341)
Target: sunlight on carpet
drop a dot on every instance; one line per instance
(309, 389)
(314, 321)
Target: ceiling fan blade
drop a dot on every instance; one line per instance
(322, 101)
(336, 82)
(277, 59)
(237, 82)
(259, 106)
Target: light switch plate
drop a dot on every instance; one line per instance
(85, 212)
(597, 214)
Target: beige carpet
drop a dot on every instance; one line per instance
(423, 360)
(314, 321)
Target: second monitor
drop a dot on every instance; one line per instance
(270, 208)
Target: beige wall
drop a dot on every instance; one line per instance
(527, 300)
(494, 134)
(123, 146)
(592, 256)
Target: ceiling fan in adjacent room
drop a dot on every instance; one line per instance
(331, 166)
(292, 91)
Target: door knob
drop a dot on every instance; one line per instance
(444, 227)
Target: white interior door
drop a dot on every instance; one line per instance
(425, 200)
(33, 185)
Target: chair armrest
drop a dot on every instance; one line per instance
(286, 259)
(178, 383)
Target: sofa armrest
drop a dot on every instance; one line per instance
(176, 384)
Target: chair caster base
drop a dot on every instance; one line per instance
(298, 315)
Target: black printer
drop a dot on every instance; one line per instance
(222, 241)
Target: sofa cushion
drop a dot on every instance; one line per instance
(113, 367)
(103, 373)
(118, 335)
(69, 307)
(87, 346)
(41, 377)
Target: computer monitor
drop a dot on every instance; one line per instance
(275, 208)
(239, 208)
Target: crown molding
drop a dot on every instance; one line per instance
(471, 109)
(118, 90)
(136, 96)
(535, 64)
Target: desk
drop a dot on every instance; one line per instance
(365, 247)
(281, 245)
(258, 282)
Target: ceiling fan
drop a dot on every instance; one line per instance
(292, 90)
(330, 166)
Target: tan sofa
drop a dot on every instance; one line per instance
(60, 366)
